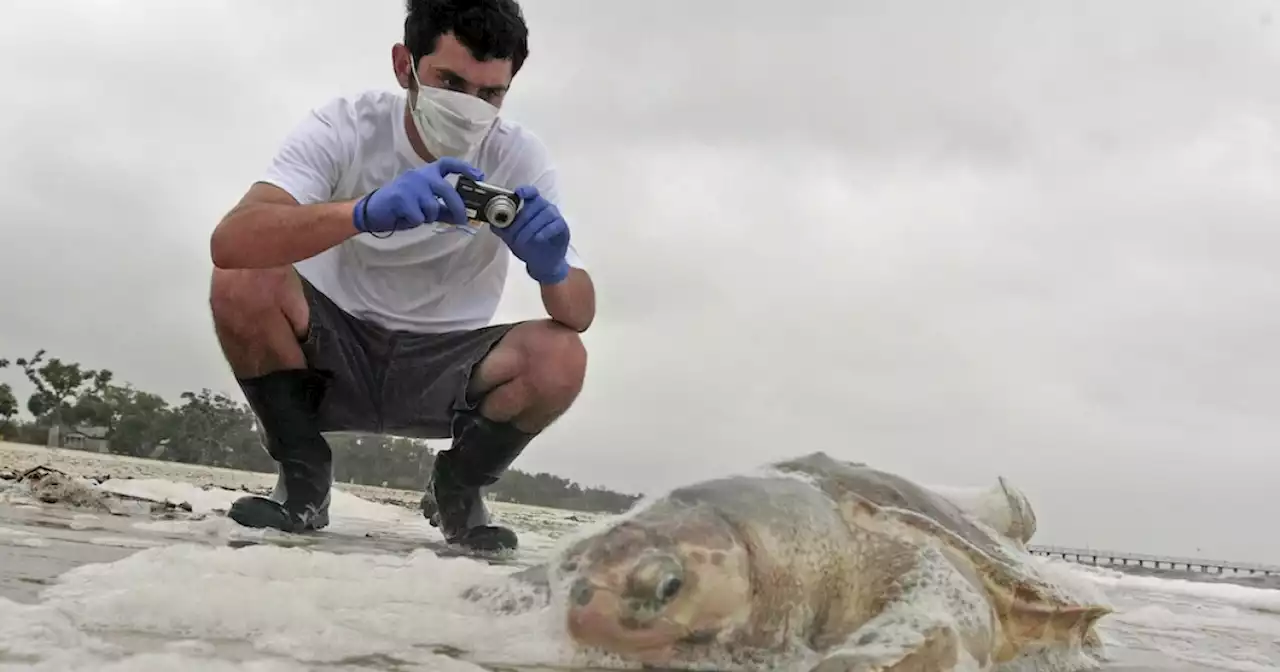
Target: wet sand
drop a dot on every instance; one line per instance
(49, 548)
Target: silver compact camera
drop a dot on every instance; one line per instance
(488, 203)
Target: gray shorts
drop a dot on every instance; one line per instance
(387, 381)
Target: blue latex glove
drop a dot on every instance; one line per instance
(539, 237)
(413, 199)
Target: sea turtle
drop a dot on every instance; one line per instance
(849, 567)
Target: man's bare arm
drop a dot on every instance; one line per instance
(572, 302)
(268, 228)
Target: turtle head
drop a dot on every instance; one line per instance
(654, 586)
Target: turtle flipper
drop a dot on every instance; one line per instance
(940, 620)
(936, 650)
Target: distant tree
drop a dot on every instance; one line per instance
(8, 402)
(545, 489)
(136, 421)
(211, 428)
(57, 384)
(390, 461)
(8, 409)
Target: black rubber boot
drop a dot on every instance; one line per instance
(482, 450)
(286, 403)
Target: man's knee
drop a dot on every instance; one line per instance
(245, 302)
(555, 362)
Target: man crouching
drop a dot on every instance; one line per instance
(351, 294)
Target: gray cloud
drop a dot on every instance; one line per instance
(1034, 239)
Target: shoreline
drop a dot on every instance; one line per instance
(18, 457)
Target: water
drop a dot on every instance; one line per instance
(87, 590)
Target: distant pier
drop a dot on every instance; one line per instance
(1101, 558)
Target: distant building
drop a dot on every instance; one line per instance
(159, 451)
(80, 437)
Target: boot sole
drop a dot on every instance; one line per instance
(260, 512)
(488, 539)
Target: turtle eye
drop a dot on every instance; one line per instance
(669, 587)
(656, 580)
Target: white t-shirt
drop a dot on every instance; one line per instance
(425, 279)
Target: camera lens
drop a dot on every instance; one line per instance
(500, 211)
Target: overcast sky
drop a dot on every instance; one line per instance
(954, 240)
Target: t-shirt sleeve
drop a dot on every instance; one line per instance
(310, 161)
(542, 174)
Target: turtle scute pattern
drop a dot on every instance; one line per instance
(1033, 613)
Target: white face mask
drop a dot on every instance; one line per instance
(450, 123)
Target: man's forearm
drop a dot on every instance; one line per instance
(572, 302)
(266, 235)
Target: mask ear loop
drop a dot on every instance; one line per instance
(413, 72)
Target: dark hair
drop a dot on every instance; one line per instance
(489, 29)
